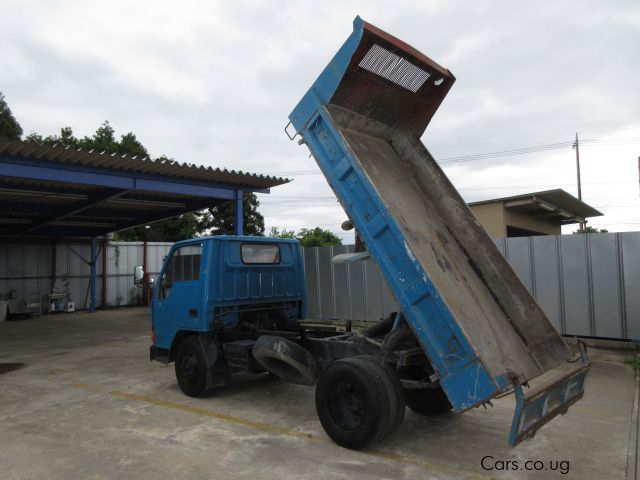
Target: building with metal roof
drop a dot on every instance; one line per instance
(537, 213)
(57, 192)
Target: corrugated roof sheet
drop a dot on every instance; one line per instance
(168, 168)
(558, 197)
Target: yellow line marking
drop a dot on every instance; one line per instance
(89, 387)
(266, 427)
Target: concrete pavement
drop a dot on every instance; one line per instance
(80, 399)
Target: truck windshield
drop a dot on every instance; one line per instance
(256, 253)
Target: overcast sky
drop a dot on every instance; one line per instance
(213, 83)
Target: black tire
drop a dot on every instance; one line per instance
(353, 402)
(428, 401)
(191, 368)
(286, 359)
(396, 394)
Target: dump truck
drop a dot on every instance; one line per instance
(467, 330)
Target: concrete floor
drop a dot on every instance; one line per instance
(87, 403)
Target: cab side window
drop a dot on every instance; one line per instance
(183, 266)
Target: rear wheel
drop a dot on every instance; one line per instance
(353, 401)
(395, 391)
(428, 401)
(191, 368)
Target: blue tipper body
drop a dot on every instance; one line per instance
(481, 330)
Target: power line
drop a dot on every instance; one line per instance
(535, 149)
(267, 200)
(505, 153)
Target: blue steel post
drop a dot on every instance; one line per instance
(239, 226)
(92, 280)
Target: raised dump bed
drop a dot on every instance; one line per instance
(482, 331)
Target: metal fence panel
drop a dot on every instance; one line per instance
(311, 275)
(342, 297)
(373, 297)
(630, 261)
(587, 284)
(357, 289)
(575, 284)
(326, 283)
(607, 311)
(546, 276)
(518, 253)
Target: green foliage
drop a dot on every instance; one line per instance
(589, 229)
(9, 126)
(104, 140)
(308, 237)
(275, 232)
(220, 220)
(633, 361)
(317, 237)
(130, 145)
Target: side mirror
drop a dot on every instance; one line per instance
(138, 275)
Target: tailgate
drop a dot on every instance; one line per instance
(553, 393)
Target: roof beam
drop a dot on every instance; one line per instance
(69, 211)
(190, 207)
(30, 193)
(98, 227)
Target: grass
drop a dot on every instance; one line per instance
(633, 361)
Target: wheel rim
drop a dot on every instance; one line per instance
(189, 367)
(346, 405)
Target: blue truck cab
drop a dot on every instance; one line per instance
(226, 290)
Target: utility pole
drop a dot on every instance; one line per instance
(576, 145)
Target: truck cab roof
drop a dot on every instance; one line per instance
(234, 238)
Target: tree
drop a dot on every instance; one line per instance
(275, 232)
(9, 126)
(130, 145)
(104, 140)
(589, 229)
(317, 237)
(221, 219)
(308, 237)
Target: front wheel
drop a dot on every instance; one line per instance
(191, 368)
(428, 401)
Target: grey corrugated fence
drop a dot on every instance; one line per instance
(589, 285)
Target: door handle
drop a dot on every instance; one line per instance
(193, 312)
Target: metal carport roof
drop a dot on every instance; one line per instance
(60, 192)
(56, 191)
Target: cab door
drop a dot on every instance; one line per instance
(178, 295)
